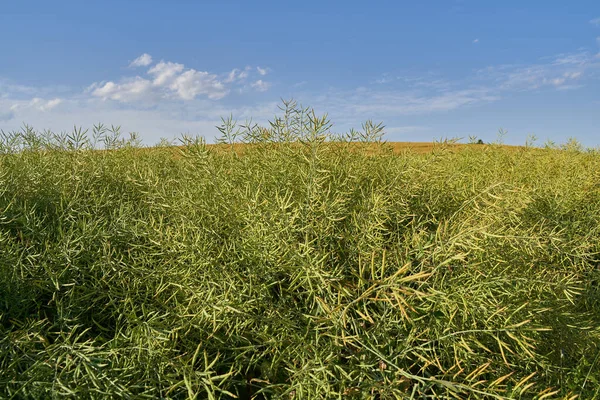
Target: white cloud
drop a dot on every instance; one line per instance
(142, 61)
(165, 73)
(595, 21)
(193, 83)
(476, 41)
(261, 85)
(135, 89)
(187, 84)
(261, 71)
(50, 104)
(167, 80)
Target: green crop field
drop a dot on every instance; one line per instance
(307, 266)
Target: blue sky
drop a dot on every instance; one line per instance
(427, 69)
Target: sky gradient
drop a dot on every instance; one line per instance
(428, 70)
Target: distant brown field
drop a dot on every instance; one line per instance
(398, 147)
(419, 147)
(426, 147)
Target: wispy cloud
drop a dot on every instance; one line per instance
(237, 75)
(36, 103)
(368, 103)
(535, 77)
(475, 40)
(142, 61)
(562, 72)
(385, 79)
(405, 95)
(262, 71)
(580, 58)
(409, 80)
(14, 90)
(261, 85)
(10, 89)
(595, 21)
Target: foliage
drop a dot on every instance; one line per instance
(302, 265)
